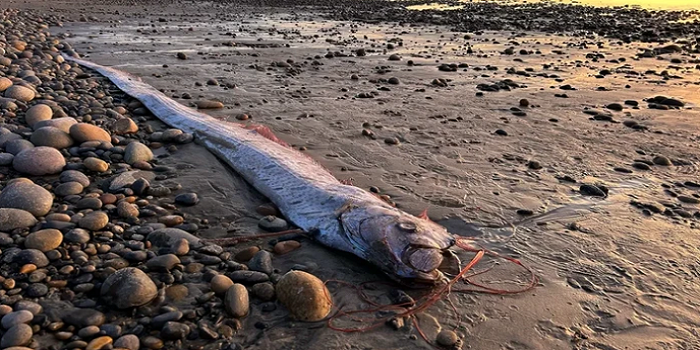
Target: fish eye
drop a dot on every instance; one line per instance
(406, 226)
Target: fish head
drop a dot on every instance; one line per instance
(403, 246)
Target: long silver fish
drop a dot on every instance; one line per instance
(339, 216)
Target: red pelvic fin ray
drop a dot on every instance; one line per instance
(265, 132)
(424, 215)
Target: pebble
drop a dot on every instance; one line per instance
(27, 196)
(174, 331)
(82, 132)
(37, 113)
(661, 160)
(285, 247)
(95, 164)
(165, 237)
(187, 199)
(591, 190)
(264, 291)
(39, 161)
(236, 301)
(128, 287)
(68, 189)
(128, 341)
(137, 152)
(220, 284)
(163, 262)
(272, 224)
(18, 317)
(447, 338)
(77, 235)
(125, 126)
(64, 123)
(99, 343)
(20, 93)
(127, 210)
(5, 83)
(31, 256)
(18, 335)
(44, 240)
(6, 159)
(74, 176)
(250, 277)
(11, 219)
(246, 254)
(82, 318)
(304, 295)
(16, 146)
(151, 342)
(262, 262)
(94, 221)
(180, 247)
(208, 104)
(50, 136)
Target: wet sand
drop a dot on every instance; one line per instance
(614, 273)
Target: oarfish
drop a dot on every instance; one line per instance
(337, 215)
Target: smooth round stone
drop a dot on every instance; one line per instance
(128, 287)
(174, 331)
(180, 247)
(99, 343)
(18, 335)
(246, 254)
(125, 126)
(137, 152)
(44, 240)
(128, 341)
(171, 220)
(11, 218)
(165, 237)
(37, 290)
(5, 83)
(63, 123)
(26, 196)
(18, 317)
(20, 93)
(163, 262)
(262, 262)
(6, 159)
(74, 176)
(16, 146)
(187, 199)
(94, 221)
(82, 318)
(31, 256)
(264, 291)
(38, 113)
(304, 295)
(82, 132)
(68, 188)
(77, 235)
(236, 301)
(447, 338)
(89, 203)
(272, 224)
(39, 161)
(285, 247)
(30, 306)
(220, 284)
(127, 210)
(5, 138)
(50, 136)
(88, 332)
(96, 164)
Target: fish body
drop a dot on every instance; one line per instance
(339, 216)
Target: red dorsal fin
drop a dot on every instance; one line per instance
(265, 132)
(424, 215)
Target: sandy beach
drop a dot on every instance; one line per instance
(546, 145)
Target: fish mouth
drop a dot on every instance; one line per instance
(424, 259)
